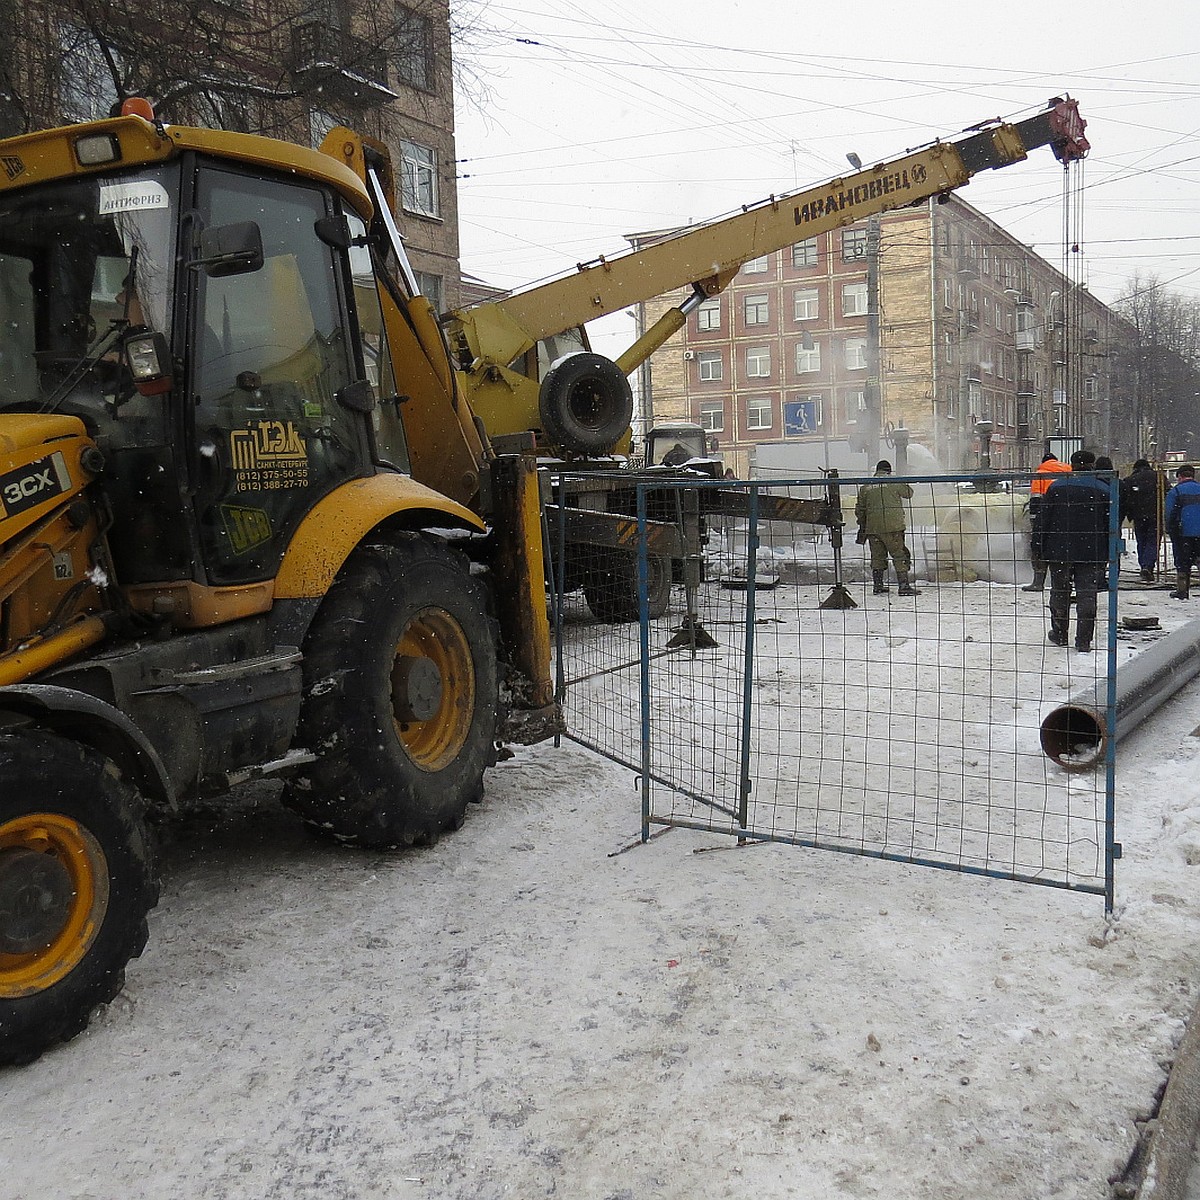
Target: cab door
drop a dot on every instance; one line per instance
(277, 422)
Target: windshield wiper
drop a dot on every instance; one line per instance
(93, 357)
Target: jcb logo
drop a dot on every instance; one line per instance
(33, 484)
(13, 166)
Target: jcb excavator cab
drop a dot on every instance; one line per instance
(265, 398)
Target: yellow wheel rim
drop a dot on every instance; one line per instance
(434, 636)
(54, 893)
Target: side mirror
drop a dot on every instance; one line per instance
(230, 249)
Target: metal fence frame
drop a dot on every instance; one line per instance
(638, 753)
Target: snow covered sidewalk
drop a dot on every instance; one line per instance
(518, 1011)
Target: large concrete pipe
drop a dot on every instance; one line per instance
(1074, 734)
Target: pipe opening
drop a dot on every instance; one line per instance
(1073, 737)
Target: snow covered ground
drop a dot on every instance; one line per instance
(540, 1006)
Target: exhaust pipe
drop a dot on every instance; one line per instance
(1074, 734)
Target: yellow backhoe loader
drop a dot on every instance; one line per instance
(219, 396)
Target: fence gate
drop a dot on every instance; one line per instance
(762, 689)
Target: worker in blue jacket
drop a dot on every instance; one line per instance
(1075, 536)
(1182, 513)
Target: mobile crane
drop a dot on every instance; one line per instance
(250, 523)
(514, 352)
(529, 373)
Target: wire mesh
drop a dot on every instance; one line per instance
(780, 696)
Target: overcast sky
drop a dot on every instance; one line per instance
(602, 120)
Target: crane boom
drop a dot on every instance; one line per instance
(490, 339)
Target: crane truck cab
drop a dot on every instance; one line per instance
(216, 560)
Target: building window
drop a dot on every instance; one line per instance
(418, 179)
(948, 347)
(758, 362)
(708, 315)
(808, 359)
(801, 416)
(854, 244)
(804, 254)
(951, 398)
(711, 366)
(759, 413)
(808, 304)
(947, 294)
(430, 286)
(712, 416)
(854, 300)
(856, 354)
(856, 405)
(983, 260)
(757, 309)
(414, 48)
(1089, 387)
(757, 266)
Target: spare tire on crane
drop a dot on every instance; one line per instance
(586, 403)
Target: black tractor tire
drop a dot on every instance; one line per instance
(611, 586)
(586, 404)
(401, 697)
(77, 881)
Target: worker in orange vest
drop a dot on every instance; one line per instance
(1050, 468)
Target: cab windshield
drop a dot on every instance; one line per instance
(81, 262)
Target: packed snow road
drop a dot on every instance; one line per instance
(522, 1011)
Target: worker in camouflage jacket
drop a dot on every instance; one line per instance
(879, 511)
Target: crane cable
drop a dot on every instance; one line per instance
(1071, 307)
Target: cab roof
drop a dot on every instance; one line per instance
(52, 154)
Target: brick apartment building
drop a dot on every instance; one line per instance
(982, 346)
(292, 69)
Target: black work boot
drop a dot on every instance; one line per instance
(1058, 629)
(905, 588)
(1147, 574)
(880, 587)
(1182, 580)
(1039, 581)
(1084, 632)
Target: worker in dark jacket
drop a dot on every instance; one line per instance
(1182, 512)
(1139, 505)
(1075, 520)
(879, 511)
(1050, 469)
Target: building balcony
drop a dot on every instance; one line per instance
(345, 66)
(1025, 340)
